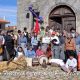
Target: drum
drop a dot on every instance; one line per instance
(42, 58)
(35, 61)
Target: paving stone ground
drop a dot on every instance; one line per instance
(39, 73)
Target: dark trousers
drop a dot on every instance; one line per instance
(68, 52)
(10, 52)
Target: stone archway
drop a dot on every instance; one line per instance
(62, 17)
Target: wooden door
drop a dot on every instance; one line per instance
(68, 23)
(62, 17)
(56, 23)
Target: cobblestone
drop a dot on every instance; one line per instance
(39, 73)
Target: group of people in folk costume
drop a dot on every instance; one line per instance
(47, 46)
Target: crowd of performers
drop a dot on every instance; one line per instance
(47, 46)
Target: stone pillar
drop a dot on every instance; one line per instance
(78, 23)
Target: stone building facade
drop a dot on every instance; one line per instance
(64, 13)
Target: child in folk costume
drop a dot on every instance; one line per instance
(42, 57)
(30, 55)
(39, 52)
(49, 52)
(71, 64)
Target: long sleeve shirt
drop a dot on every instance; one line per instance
(34, 41)
(71, 63)
(70, 44)
(22, 39)
(30, 53)
(39, 53)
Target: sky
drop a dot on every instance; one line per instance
(8, 10)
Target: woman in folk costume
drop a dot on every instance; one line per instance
(22, 40)
(19, 53)
(45, 41)
(70, 46)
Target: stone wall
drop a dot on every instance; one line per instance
(22, 21)
(45, 7)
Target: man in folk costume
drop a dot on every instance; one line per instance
(70, 46)
(9, 43)
(77, 39)
(25, 32)
(55, 46)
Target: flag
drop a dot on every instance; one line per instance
(37, 28)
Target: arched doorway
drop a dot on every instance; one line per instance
(62, 17)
